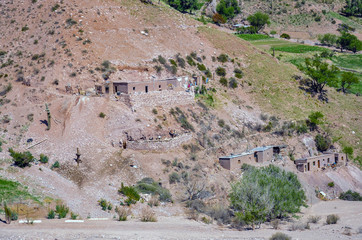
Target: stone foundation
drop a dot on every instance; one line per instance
(162, 145)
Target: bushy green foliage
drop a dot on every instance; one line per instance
(221, 123)
(233, 83)
(350, 196)
(73, 216)
(131, 194)
(174, 178)
(266, 193)
(353, 8)
(55, 165)
(149, 186)
(223, 58)
(102, 115)
(220, 71)
(201, 67)
(43, 158)
(285, 36)
(315, 119)
(349, 151)
(258, 20)
(51, 214)
(223, 81)
(21, 159)
(105, 205)
(350, 42)
(332, 219)
(190, 61)
(323, 143)
(328, 39)
(348, 79)
(331, 184)
(161, 59)
(228, 8)
(61, 210)
(184, 5)
(180, 61)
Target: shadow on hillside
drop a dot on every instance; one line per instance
(306, 85)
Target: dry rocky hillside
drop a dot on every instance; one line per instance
(50, 47)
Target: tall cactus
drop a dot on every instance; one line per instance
(49, 116)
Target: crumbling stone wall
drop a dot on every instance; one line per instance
(161, 145)
(162, 98)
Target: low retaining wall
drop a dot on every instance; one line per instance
(159, 145)
(161, 98)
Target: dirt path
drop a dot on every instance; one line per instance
(180, 228)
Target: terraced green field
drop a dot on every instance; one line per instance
(253, 37)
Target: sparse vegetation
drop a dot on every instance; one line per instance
(350, 196)
(280, 236)
(314, 219)
(102, 115)
(147, 215)
(149, 186)
(105, 205)
(21, 159)
(332, 219)
(61, 210)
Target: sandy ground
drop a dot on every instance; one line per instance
(180, 228)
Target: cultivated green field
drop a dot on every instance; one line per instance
(349, 61)
(253, 37)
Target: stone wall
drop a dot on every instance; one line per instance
(159, 145)
(161, 98)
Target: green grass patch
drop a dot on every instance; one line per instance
(299, 48)
(253, 37)
(346, 20)
(348, 61)
(11, 191)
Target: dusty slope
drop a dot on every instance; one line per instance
(114, 29)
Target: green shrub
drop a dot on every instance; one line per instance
(62, 211)
(173, 62)
(190, 61)
(174, 177)
(332, 219)
(105, 205)
(266, 193)
(180, 61)
(223, 81)
(331, 184)
(233, 83)
(221, 123)
(272, 32)
(55, 165)
(220, 71)
(350, 196)
(55, 7)
(43, 158)
(280, 236)
(122, 214)
(315, 119)
(223, 58)
(102, 115)
(14, 216)
(73, 216)
(149, 186)
(161, 59)
(322, 143)
(349, 151)
(285, 36)
(25, 28)
(21, 159)
(201, 67)
(131, 194)
(154, 111)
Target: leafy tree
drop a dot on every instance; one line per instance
(321, 73)
(21, 159)
(266, 193)
(183, 5)
(258, 20)
(353, 8)
(228, 8)
(328, 39)
(350, 42)
(350, 196)
(349, 151)
(348, 79)
(322, 143)
(315, 119)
